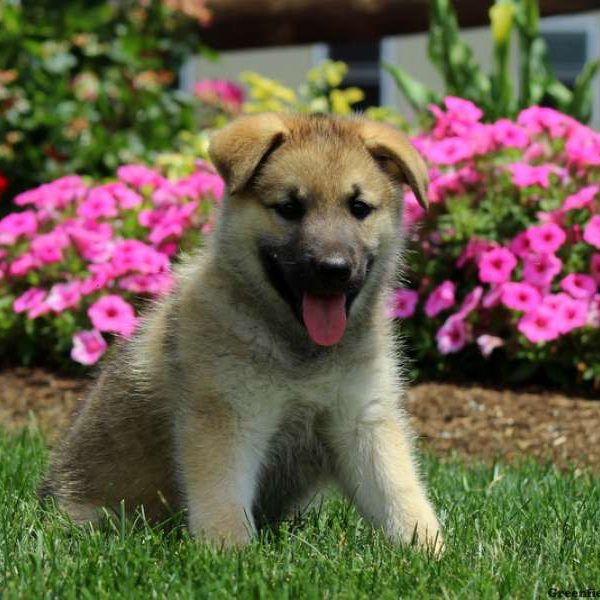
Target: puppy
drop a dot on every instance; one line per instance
(270, 368)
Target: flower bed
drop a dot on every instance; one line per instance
(76, 261)
(508, 257)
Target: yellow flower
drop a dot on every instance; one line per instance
(501, 17)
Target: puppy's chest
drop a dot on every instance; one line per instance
(255, 388)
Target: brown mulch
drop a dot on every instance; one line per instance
(474, 422)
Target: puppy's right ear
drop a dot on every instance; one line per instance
(240, 148)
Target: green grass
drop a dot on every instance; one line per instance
(511, 531)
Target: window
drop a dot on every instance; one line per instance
(364, 69)
(572, 42)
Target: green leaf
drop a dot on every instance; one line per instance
(418, 95)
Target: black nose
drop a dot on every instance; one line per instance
(334, 269)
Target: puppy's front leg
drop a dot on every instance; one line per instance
(219, 459)
(376, 470)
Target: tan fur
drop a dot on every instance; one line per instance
(222, 404)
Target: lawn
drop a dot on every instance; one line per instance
(511, 531)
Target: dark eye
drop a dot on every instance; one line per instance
(292, 210)
(359, 209)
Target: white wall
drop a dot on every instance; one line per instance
(290, 64)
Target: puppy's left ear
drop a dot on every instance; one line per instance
(393, 151)
(240, 148)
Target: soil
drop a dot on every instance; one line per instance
(473, 422)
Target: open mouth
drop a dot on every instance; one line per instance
(323, 315)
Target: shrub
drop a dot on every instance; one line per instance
(505, 264)
(86, 89)
(508, 256)
(77, 261)
(495, 93)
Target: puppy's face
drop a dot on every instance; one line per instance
(314, 208)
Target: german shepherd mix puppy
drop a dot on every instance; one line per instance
(271, 366)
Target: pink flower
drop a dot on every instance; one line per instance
(47, 248)
(571, 314)
(493, 297)
(581, 199)
(520, 296)
(88, 347)
(413, 212)
(488, 343)
(15, 225)
(22, 265)
(452, 335)
(440, 299)
(63, 296)
(102, 275)
(473, 251)
(579, 285)
(555, 301)
(508, 134)
(462, 110)
(32, 298)
(112, 313)
(155, 284)
(99, 204)
(539, 325)
(541, 270)
(133, 255)
(525, 175)
(595, 267)
(546, 239)
(470, 303)
(139, 176)
(591, 233)
(402, 304)
(221, 93)
(496, 265)
(521, 245)
(449, 151)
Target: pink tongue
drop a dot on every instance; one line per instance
(325, 318)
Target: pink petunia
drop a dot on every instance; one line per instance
(509, 135)
(541, 270)
(581, 199)
(99, 204)
(496, 265)
(571, 314)
(155, 284)
(88, 347)
(595, 267)
(520, 296)
(579, 285)
(412, 211)
(32, 298)
(525, 175)
(440, 299)
(22, 265)
(488, 343)
(220, 92)
(473, 251)
(139, 176)
(521, 245)
(47, 248)
(15, 225)
(470, 302)
(63, 296)
(546, 239)
(452, 336)
(402, 304)
(449, 151)
(112, 313)
(591, 233)
(539, 325)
